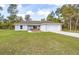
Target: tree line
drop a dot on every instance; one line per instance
(70, 14)
(67, 14)
(8, 22)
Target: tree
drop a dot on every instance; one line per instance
(56, 20)
(27, 18)
(12, 10)
(58, 13)
(50, 16)
(76, 6)
(1, 16)
(19, 19)
(1, 8)
(43, 19)
(68, 12)
(12, 18)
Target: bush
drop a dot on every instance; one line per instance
(55, 20)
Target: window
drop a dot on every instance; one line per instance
(21, 27)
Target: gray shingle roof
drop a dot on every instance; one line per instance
(36, 22)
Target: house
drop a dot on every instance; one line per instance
(45, 26)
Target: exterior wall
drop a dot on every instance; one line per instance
(30, 28)
(51, 27)
(17, 27)
(43, 28)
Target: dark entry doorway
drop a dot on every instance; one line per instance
(34, 27)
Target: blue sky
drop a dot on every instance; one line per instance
(37, 11)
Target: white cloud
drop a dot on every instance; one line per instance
(43, 12)
(59, 5)
(30, 12)
(2, 5)
(22, 15)
(19, 6)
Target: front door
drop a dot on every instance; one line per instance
(34, 27)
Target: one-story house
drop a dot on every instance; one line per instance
(45, 26)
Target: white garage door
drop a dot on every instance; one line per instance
(43, 28)
(54, 27)
(51, 27)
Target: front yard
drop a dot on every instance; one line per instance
(21, 42)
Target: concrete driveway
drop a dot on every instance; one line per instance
(69, 34)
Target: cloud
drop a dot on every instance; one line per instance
(2, 5)
(59, 5)
(44, 12)
(22, 15)
(30, 13)
(34, 15)
(19, 6)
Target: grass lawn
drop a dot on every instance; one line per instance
(21, 42)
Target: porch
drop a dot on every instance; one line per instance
(35, 28)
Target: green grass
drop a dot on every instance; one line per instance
(45, 43)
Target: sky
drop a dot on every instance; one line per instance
(36, 11)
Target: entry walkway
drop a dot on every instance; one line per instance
(69, 34)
